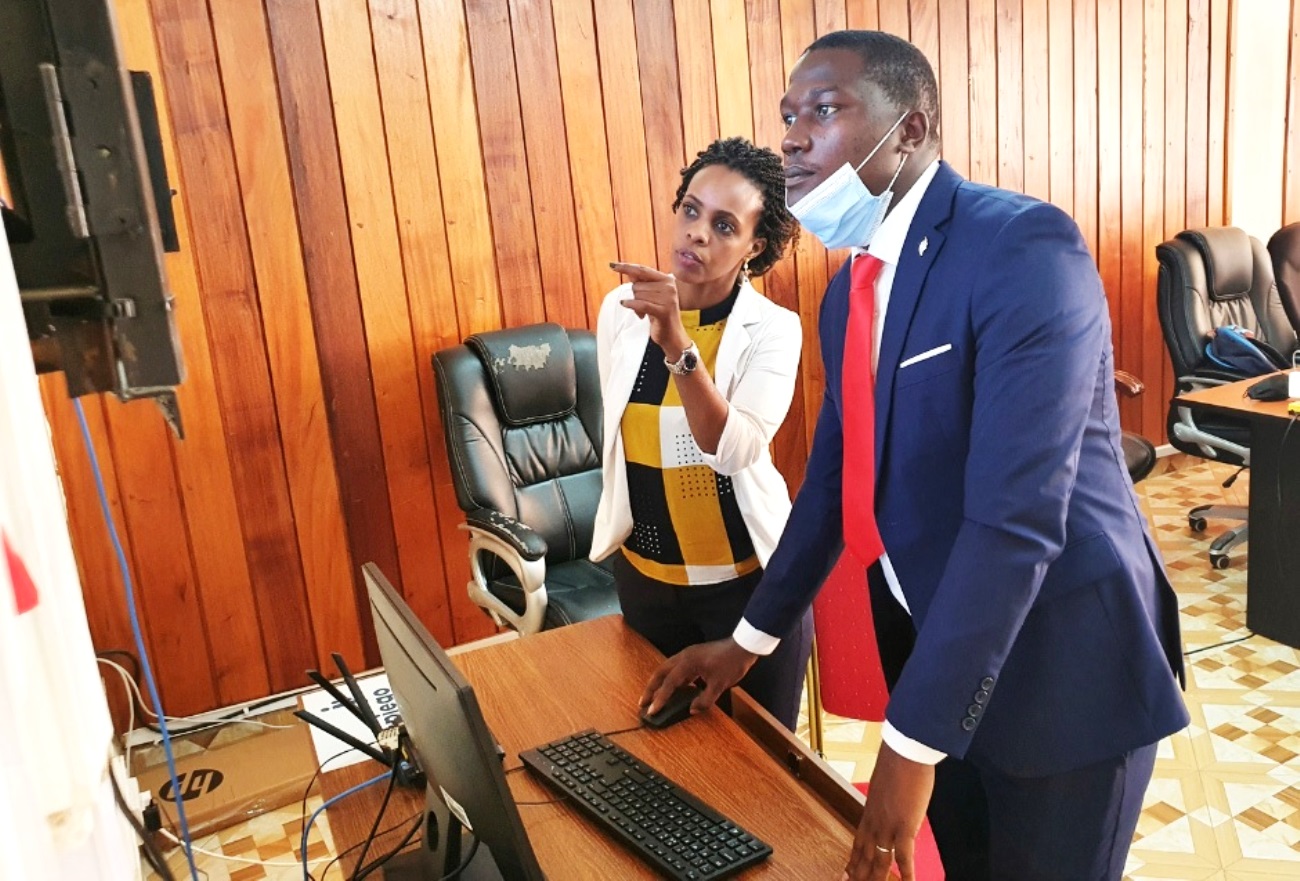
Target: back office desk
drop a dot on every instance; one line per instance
(589, 675)
(1272, 598)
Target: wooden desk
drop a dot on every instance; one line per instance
(1272, 600)
(590, 675)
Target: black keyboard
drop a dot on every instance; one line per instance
(660, 821)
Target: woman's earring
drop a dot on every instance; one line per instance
(744, 271)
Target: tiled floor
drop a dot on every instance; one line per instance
(1224, 804)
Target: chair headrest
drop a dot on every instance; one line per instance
(1229, 260)
(532, 371)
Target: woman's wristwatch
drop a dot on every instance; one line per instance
(686, 362)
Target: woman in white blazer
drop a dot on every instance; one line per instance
(697, 370)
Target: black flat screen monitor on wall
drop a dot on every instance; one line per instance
(467, 792)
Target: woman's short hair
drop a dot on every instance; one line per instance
(764, 169)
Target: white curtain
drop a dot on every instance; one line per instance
(58, 819)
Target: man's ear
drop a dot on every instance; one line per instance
(914, 131)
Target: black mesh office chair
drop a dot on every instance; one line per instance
(1284, 249)
(1209, 278)
(521, 415)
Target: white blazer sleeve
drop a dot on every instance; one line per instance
(761, 394)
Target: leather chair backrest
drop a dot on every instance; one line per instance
(1284, 248)
(1213, 277)
(521, 415)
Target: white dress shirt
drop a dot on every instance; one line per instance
(887, 246)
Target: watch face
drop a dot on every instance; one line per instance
(689, 361)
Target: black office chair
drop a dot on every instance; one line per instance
(1139, 453)
(1209, 278)
(1284, 249)
(521, 415)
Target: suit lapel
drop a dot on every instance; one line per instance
(909, 278)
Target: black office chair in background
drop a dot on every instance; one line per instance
(521, 415)
(1284, 249)
(1210, 278)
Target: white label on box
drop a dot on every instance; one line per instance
(382, 704)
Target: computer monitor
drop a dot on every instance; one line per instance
(451, 741)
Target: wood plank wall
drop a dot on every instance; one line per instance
(361, 184)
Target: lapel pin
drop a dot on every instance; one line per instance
(920, 249)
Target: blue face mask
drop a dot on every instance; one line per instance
(840, 210)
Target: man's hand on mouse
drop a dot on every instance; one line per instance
(718, 665)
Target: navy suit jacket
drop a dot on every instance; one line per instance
(1047, 632)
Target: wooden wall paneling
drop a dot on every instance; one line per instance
(1132, 250)
(265, 189)
(616, 39)
(1155, 178)
(421, 230)
(830, 15)
(1060, 103)
(1011, 108)
(359, 123)
(546, 154)
(731, 68)
(1110, 171)
(475, 292)
(695, 72)
(894, 18)
(984, 95)
(1291, 179)
(202, 460)
(454, 115)
(923, 16)
(1036, 113)
(954, 73)
(230, 305)
(1197, 52)
(767, 85)
(1217, 178)
(661, 109)
(588, 154)
(811, 270)
(863, 14)
(1177, 85)
(101, 580)
(166, 589)
(317, 178)
(510, 201)
(1086, 144)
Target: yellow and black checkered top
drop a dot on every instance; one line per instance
(686, 525)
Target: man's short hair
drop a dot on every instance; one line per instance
(897, 68)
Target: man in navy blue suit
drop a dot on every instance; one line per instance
(1028, 631)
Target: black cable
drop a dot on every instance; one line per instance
(455, 873)
(637, 727)
(1217, 645)
(393, 828)
(374, 827)
(302, 820)
(151, 853)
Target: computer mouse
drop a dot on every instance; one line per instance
(675, 709)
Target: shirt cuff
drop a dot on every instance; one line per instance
(753, 640)
(906, 747)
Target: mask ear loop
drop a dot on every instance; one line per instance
(880, 144)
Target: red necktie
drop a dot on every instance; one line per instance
(859, 407)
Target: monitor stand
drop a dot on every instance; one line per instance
(423, 864)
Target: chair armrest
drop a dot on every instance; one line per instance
(1129, 384)
(524, 539)
(1205, 378)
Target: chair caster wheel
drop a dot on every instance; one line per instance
(1197, 524)
(1220, 562)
